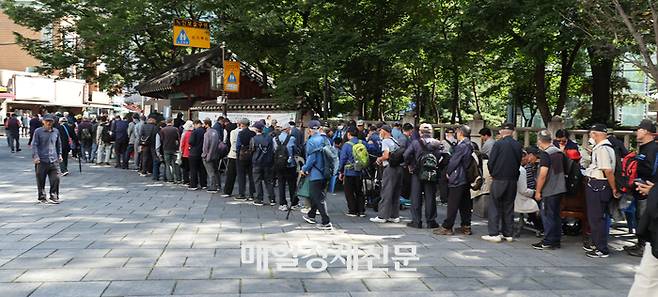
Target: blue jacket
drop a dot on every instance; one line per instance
(120, 130)
(346, 157)
(375, 145)
(314, 158)
(458, 163)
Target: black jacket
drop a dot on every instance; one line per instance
(505, 159)
(67, 144)
(196, 142)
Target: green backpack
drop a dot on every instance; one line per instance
(360, 154)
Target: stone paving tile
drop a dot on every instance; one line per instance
(148, 287)
(97, 262)
(112, 274)
(402, 294)
(32, 263)
(452, 284)
(271, 285)
(9, 275)
(395, 284)
(53, 275)
(179, 273)
(17, 289)
(334, 285)
(68, 289)
(189, 287)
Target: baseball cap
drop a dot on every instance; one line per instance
(387, 128)
(259, 125)
(426, 128)
(244, 121)
(508, 126)
(359, 123)
(532, 150)
(599, 128)
(48, 117)
(313, 124)
(647, 125)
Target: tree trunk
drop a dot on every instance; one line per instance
(601, 63)
(568, 58)
(454, 94)
(540, 90)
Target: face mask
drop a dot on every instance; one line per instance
(591, 142)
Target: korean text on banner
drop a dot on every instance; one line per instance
(232, 76)
(191, 33)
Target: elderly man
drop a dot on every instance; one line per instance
(46, 155)
(315, 161)
(601, 188)
(504, 163)
(423, 156)
(286, 172)
(69, 143)
(487, 141)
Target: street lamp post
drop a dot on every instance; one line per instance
(225, 100)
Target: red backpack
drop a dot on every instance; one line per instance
(628, 172)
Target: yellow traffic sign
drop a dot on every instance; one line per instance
(191, 33)
(232, 76)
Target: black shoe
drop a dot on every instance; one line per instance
(415, 225)
(309, 219)
(42, 201)
(53, 201)
(541, 246)
(18, 150)
(597, 254)
(433, 225)
(240, 198)
(638, 252)
(589, 247)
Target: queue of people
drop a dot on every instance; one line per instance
(268, 160)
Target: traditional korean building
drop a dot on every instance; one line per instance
(188, 88)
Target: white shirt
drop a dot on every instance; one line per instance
(603, 157)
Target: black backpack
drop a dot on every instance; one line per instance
(474, 175)
(428, 165)
(281, 153)
(396, 158)
(105, 133)
(573, 175)
(85, 134)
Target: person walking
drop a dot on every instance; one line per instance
(86, 137)
(349, 169)
(262, 161)
(231, 166)
(12, 128)
(312, 169)
(46, 155)
(104, 141)
(120, 132)
(601, 188)
(25, 124)
(459, 188)
(504, 161)
(198, 176)
(285, 168)
(210, 156)
(646, 275)
(389, 206)
(423, 156)
(244, 168)
(35, 122)
(69, 143)
(551, 186)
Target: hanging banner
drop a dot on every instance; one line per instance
(232, 76)
(191, 33)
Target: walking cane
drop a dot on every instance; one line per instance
(79, 157)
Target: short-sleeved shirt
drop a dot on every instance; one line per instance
(603, 157)
(389, 145)
(544, 159)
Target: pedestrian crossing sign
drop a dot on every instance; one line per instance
(182, 38)
(191, 33)
(232, 76)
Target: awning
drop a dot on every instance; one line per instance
(7, 96)
(41, 103)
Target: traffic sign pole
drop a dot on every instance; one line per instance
(223, 46)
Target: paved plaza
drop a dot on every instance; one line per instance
(118, 234)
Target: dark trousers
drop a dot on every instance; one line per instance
(185, 169)
(389, 206)
(64, 166)
(244, 172)
(231, 174)
(51, 171)
(126, 155)
(147, 159)
(501, 207)
(287, 176)
(318, 201)
(213, 174)
(353, 186)
(406, 183)
(198, 177)
(459, 199)
(550, 216)
(86, 151)
(13, 141)
(443, 186)
(156, 168)
(598, 195)
(263, 177)
(423, 193)
(120, 148)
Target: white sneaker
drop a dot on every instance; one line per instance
(296, 207)
(305, 209)
(495, 238)
(377, 220)
(394, 220)
(508, 239)
(283, 207)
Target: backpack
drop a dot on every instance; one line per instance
(245, 153)
(222, 150)
(628, 172)
(263, 154)
(428, 165)
(396, 158)
(573, 176)
(331, 162)
(105, 133)
(281, 156)
(474, 175)
(85, 134)
(360, 155)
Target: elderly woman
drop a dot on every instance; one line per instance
(185, 151)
